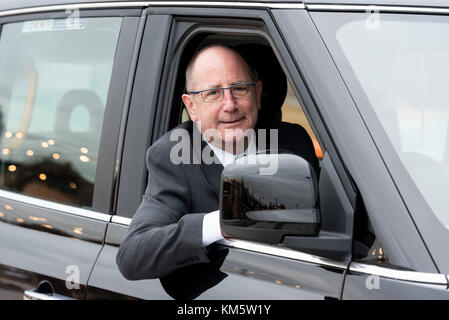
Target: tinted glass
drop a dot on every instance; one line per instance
(54, 81)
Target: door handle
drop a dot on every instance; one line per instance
(44, 291)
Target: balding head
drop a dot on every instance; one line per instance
(213, 49)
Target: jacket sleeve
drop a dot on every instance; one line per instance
(162, 237)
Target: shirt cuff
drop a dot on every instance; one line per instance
(211, 228)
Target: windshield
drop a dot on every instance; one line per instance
(402, 64)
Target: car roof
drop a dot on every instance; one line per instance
(21, 4)
(408, 3)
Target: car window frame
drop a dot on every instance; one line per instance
(291, 69)
(152, 108)
(258, 22)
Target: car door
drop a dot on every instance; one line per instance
(249, 270)
(402, 183)
(63, 79)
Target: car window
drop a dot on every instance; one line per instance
(54, 82)
(404, 82)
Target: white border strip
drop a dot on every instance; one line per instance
(263, 248)
(271, 5)
(27, 200)
(421, 277)
(371, 8)
(121, 220)
(144, 4)
(63, 7)
(282, 252)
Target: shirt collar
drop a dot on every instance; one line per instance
(226, 158)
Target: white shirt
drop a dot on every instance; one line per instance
(211, 221)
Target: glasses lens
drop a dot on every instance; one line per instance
(212, 95)
(240, 91)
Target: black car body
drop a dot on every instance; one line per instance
(86, 87)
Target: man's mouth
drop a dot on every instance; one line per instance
(233, 122)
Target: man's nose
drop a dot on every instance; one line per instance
(229, 104)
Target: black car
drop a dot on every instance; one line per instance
(86, 87)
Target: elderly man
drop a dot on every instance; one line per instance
(178, 217)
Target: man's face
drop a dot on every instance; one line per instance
(230, 117)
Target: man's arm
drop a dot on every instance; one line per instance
(162, 237)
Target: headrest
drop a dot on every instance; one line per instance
(274, 89)
(72, 99)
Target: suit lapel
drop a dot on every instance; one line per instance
(212, 172)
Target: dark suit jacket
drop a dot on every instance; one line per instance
(165, 234)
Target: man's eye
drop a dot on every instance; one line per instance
(212, 93)
(240, 91)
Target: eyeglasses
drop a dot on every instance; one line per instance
(239, 90)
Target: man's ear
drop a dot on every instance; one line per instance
(259, 93)
(190, 105)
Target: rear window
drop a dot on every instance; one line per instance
(54, 82)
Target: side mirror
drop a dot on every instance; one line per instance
(265, 197)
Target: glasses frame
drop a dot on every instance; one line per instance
(252, 83)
